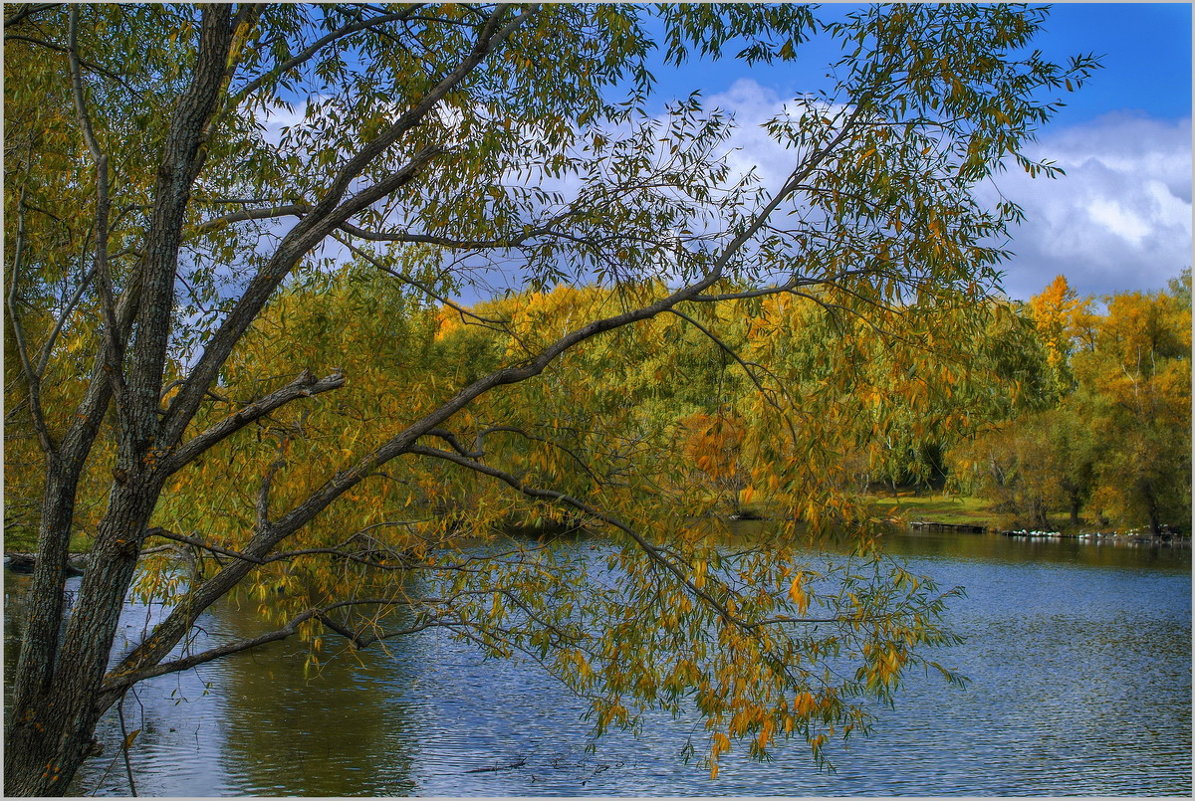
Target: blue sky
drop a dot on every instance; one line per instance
(1121, 218)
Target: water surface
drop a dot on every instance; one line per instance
(1079, 657)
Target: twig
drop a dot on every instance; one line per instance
(124, 747)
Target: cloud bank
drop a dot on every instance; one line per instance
(1120, 219)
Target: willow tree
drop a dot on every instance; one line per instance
(172, 171)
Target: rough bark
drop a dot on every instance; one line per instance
(58, 696)
(54, 708)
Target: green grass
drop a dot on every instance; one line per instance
(935, 508)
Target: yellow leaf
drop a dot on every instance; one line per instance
(796, 592)
(128, 740)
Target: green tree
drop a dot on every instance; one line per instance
(163, 235)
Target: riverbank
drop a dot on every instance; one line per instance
(918, 512)
(969, 515)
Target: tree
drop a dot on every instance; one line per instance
(1055, 311)
(1135, 394)
(1117, 440)
(176, 175)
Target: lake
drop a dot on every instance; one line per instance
(1079, 656)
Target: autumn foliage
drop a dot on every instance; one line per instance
(1112, 450)
(238, 365)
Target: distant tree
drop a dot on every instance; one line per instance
(1117, 441)
(1055, 311)
(176, 176)
(1135, 395)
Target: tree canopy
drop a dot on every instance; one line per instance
(238, 238)
(1115, 441)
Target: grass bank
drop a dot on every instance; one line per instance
(937, 508)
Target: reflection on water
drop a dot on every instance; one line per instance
(1079, 655)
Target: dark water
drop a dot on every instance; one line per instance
(1079, 655)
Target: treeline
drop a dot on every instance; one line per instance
(802, 402)
(1112, 448)
(1067, 407)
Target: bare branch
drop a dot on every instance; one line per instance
(158, 531)
(25, 10)
(451, 439)
(44, 358)
(115, 365)
(117, 681)
(290, 210)
(779, 289)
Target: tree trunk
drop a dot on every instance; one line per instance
(1151, 505)
(57, 698)
(50, 727)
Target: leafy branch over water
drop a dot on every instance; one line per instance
(195, 360)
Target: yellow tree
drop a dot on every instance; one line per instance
(200, 165)
(1135, 393)
(1055, 311)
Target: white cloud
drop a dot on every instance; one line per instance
(751, 105)
(1120, 219)
(1116, 218)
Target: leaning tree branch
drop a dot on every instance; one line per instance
(304, 386)
(118, 679)
(404, 442)
(658, 555)
(452, 440)
(171, 630)
(790, 284)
